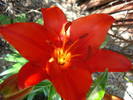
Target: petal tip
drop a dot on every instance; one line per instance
(107, 17)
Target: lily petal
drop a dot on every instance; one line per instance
(91, 29)
(114, 62)
(30, 39)
(54, 18)
(31, 74)
(70, 83)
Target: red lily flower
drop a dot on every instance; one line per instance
(64, 52)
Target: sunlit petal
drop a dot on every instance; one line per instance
(106, 59)
(30, 39)
(31, 74)
(54, 18)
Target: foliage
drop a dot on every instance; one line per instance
(8, 20)
(4, 19)
(47, 89)
(98, 88)
(39, 21)
(19, 62)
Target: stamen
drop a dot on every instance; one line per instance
(64, 42)
(62, 56)
(75, 55)
(51, 60)
(68, 49)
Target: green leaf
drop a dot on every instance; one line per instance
(19, 62)
(127, 79)
(44, 83)
(105, 42)
(7, 20)
(42, 87)
(47, 88)
(4, 20)
(39, 21)
(30, 96)
(20, 18)
(15, 58)
(14, 69)
(53, 95)
(1, 80)
(98, 89)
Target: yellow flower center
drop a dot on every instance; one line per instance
(62, 56)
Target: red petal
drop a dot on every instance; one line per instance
(31, 74)
(30, 39)
(92, 29)
(114, 62)
(71, 84)
(9, 89)
(54, 18)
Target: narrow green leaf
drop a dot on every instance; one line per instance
(127, 79)
(15, 58)
(98, 89)
(105, 42)
(53, 95)
(14, 69)
(42, 87)
(19, 62)
(31, 96)
(39, 21)
(4, 20)
(20, 18)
